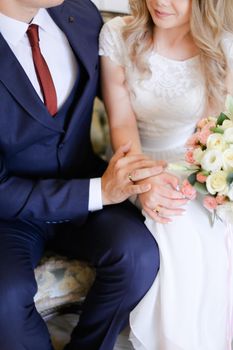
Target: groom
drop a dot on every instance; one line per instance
(53, 189)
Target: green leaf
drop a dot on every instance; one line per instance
(230, 178)
(205, 172)
(221, 118)
(217, 130)
(201, 188)
(192, 178)
(229, 106)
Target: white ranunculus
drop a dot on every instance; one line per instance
(227, 158)
(217, 182)
(227, 124)
(228, 135)
(197, 155)
(216, 141)
(212, 160)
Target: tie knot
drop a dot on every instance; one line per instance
(33, 35)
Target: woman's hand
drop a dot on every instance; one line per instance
(164, 199)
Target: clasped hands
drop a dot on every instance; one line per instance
(136, 174)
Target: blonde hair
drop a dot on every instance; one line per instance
(209, 18)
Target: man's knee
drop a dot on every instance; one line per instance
(16, 295)
(133, 253)
(143, 261)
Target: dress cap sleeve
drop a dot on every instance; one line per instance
(111, 43)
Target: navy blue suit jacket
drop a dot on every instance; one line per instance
(44, 169)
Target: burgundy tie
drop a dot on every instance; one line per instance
(42, 71)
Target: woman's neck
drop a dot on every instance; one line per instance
(175, 42)
(173, 36)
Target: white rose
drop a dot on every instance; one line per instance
(228, 135)
(227, 158)
(217, 182)
(212, 160)
(197, 155)
(227, 124)
(216, 141)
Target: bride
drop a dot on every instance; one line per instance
(163, 68)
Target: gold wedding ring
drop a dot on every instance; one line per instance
(156, 209)
(130, 178)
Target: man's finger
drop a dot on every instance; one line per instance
(144, 173)
(137, 189)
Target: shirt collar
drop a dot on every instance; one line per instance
(13, 30)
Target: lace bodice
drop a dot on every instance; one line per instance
(169, 102)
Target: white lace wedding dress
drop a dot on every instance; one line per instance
(187, 308)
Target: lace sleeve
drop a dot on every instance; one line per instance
(111, 43)
(227, 45)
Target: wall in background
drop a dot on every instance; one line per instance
(112, 5)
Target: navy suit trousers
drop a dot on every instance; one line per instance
(114, 240)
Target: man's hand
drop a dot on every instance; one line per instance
(164, 199)
(119, 180)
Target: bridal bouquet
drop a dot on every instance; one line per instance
(209, 160)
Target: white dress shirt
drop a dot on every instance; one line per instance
(61, 62)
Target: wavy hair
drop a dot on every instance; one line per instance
(209, 19)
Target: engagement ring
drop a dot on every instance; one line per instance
(156, 209)
(130, 178)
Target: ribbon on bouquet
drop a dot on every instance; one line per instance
(225, 213)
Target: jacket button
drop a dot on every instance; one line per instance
(71, 19)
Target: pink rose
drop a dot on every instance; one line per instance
(188, 190)
(203, 136)
(201, 178)
(189, 157)
(206, 132)
(206, 124)
(202, 122)
(193, 141)
(220, 199)
(210, 203)
(209, 125)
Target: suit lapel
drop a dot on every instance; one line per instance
(73, 23)
(16, 81)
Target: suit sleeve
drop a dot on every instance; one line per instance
(48, 200)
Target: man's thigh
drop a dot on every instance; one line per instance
(21, 244)
(114, 228)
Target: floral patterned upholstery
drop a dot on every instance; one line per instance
(62, 284)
